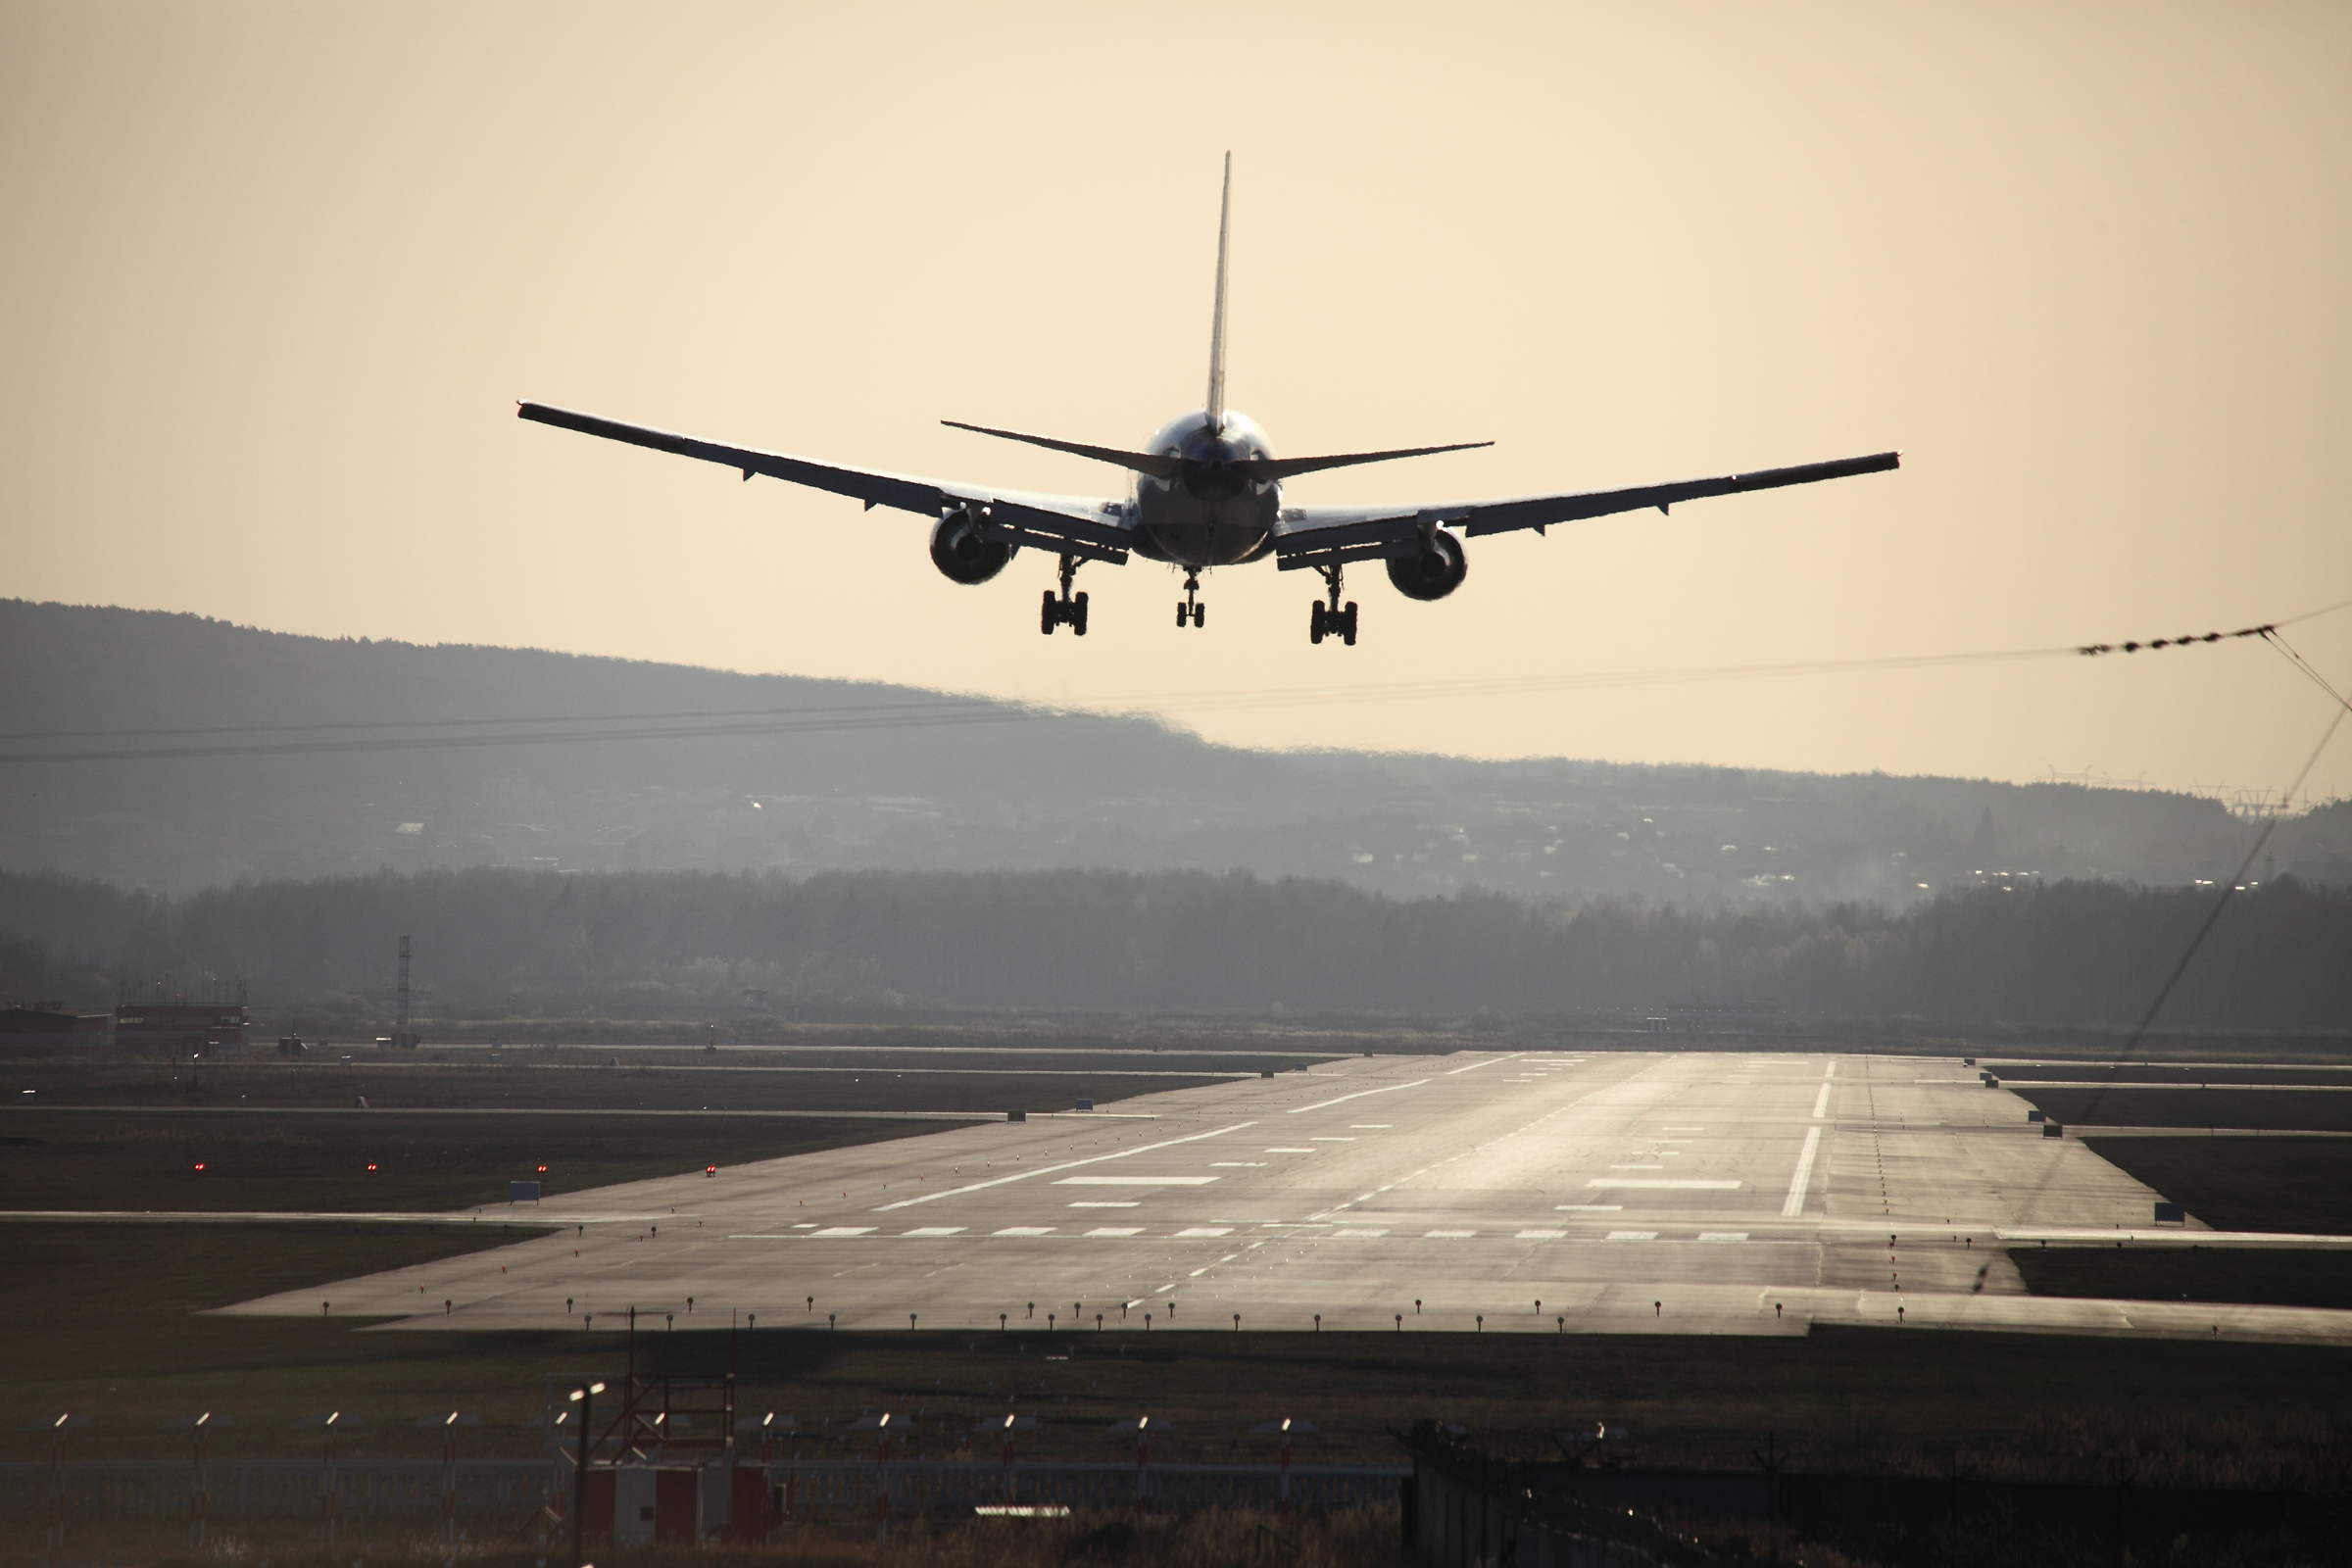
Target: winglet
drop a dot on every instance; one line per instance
(1215, 405)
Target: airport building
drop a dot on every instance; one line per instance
(198, 1028)
(48, 1026)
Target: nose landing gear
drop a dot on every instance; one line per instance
(1066, 611)
(1192, 610)
(1329, 621)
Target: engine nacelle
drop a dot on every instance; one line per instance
(962, 554)
(1431, 573)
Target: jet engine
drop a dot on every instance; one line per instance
(1433, 571)
(962, 554)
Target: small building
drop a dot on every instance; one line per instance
(28, 1026)
(198, 1028)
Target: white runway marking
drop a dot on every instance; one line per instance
(1588, 1208)
(1116, 1229)
(1291, 1151)
(1370, 1126)
(1208, 1229)
(1632, 1235)
(1689, 1186)
(1451, 1235)
(1360, 1234)
(938, 1230)
(839, 1230)
(1107, 1202)
(1541, 1236)
(1489, 1063)
(1048, 1170)
(1361, 1092)
(1723, 1236)
(1795, 1204)
(1821, 1103)
(1025, 1230)
(1237, 1164)
(1135, 1180)
(1331, 1138)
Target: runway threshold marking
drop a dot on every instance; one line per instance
(1795, 1204)
(1073, 1164)
(1361, 1092)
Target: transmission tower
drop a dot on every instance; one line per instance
(402, 1038)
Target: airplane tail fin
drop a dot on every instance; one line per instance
(1215, 404)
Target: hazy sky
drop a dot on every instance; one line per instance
(274, 277)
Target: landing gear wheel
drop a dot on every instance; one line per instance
(1200, 614)
(1316, 624)
(1078, 616)
(1183, 613)
(1348, 625)
(1050, 615)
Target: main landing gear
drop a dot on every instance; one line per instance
(1329, 621)
(1065, 611)
(1192, 610)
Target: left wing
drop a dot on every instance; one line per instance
(1078, 525)
(1325, 536)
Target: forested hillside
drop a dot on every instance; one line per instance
(493, 943)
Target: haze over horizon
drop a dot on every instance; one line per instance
(281, 273)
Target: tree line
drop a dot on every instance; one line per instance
(492, 944)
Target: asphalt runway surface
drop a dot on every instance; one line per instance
(1550, 1191)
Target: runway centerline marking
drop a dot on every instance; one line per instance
(1361, 1092)
(1690, 1186)
(1073, 1164)
(1795, 1204)
(1135, 1180)
(1821, 1102)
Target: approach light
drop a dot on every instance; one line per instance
(710, 1170)
(542, 1170)
(200, 1164)
(371, 1167)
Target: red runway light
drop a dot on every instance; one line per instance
(200, 1164)
(543, 1170)
(371, 1167)
(710, 1170)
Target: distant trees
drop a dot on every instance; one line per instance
(667, 944)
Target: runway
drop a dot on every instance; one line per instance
(1552, 1191)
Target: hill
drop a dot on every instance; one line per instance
(209, 753)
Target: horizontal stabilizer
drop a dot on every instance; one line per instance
(1263, 469)
(1159, 468)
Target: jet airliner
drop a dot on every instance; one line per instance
(1205, 491)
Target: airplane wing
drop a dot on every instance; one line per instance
(1325, 536)
(1078, 525)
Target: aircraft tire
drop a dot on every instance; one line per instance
(1200, 614)
(1314, 627)
(1047, 618)
(1181, 614)
(1348, 625)
(1078, 614)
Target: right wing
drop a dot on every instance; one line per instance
(1324, 536)
(1078, 525)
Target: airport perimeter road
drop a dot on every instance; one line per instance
(1687, 1192)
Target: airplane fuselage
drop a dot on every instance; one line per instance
(1211, 516)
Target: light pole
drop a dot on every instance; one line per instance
(585, 1397)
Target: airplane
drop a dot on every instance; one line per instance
(1205, 491)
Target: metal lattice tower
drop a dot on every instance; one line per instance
(400, 1023)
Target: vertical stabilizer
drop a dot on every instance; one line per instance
(1216, 331)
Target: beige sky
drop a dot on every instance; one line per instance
(275, 275)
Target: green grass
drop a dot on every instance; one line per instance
(2247, 1276)
(573, 1079)
(2301, 1186)
(264, 1160)
(2268, 1110)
